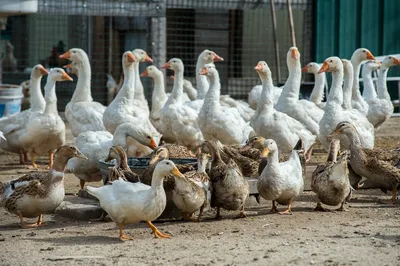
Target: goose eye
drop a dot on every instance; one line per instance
(167, 163)
(364, 51)
(331, 61)
(148, 137)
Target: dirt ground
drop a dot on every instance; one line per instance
(368, 233)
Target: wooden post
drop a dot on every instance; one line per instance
(277, 63)
(289, 7)
(110, 45)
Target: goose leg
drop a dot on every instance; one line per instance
(34, 165)
(273, 209)
(157, 232)
(25, 225)
(122, 236)
(82, 183)
(288, 211)
(51, 156)
(394, 194)
(242, 214)
(341, 209)
(200, 213)
(218, 216)
(21, 157)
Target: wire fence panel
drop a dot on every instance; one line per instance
(239, 31)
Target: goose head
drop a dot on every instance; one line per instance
(293, 56)
(209, 70)
(390, 61)
(209, 57)
(38, 71)
(174, 64)
(372, 65)
(262, 69)
(343, 127)
(159, 153)
(270, 148)
(165, 168)
(151, 71)
(58, 74)
(112, 154)
(72, 68)
(312, 68)
(256, 142)
(142, 56)
(128, 58)
(75, 55)
(138, 133)
(362, 54)
(69, 151)
(331, 64)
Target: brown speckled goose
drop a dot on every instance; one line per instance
(37, 193)
(121, 169)
(330, 180)
(368, 163)
(170, 151)
(229, 188)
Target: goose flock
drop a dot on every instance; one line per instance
(270, 138)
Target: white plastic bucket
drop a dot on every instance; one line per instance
(10, 99)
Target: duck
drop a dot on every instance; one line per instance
(366, 163)
(190, 191)
(96, 145)
(45, 132)
(317, 94)
(304, 111)
(82, 113)
(14, 126)
(37, 193)
(381, 107)
(121, 168)
(270, 123)
(217, 122)
(280, 182)
(330, 180)
(229, 188)
(170, 151)
(357, 102)
(369, 91)
(179, 121)
(25, 104)
(128, 203)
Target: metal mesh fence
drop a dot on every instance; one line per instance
(239, 31)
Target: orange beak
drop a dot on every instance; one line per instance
(145, 73)
(324, 68)
(65, 76)
(203, 71)
(68, 66)
(370, 56)
(152, 144)
(396, 61)
(305, 69)
(131, 58)
(217, 58)
(43, 71)
(148, 59)
(295, 54)
(66, 55)
(166, 65)
(258, 67)
(173, 77)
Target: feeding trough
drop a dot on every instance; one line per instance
(10, 99)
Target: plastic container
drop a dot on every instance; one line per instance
(10, 99)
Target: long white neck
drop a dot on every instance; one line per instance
(177, 89)
(50, 97)
(159, 96)
(157, 180)
(273, 161)
(356, 94)
(211, 101)
(127, 92)
(369, 87)
(38, 103)
(336, 94)
(139, 93)
(82, 91)
(317, 93)
(119, 138)
(202, 84)
(267, 94)
(347, 88)
(292, 85)
(381, 86)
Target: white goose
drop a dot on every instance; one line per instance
(255, 94)
(96, 145)
(14, 126)
(317, 94)
(268, 122)
(179, 121)
(357, 58)
(45, 132)
(304, 111)
(369, 91)
(220, 123)
(381, 107)
(82, 113)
